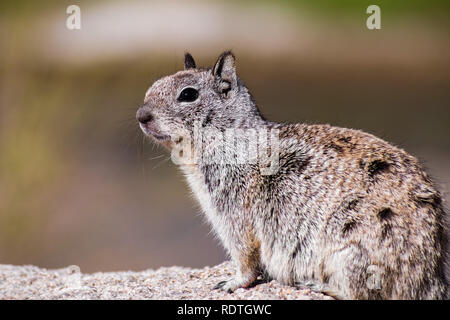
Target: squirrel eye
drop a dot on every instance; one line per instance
(188, 95)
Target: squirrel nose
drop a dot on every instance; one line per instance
(143, 116)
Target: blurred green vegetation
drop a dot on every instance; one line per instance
(334, 7)
(11, 7)
(341, 9)
(354, 6)
(50, 113)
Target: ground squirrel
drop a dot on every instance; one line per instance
(335, 209)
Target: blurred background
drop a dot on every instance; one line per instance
(80, 185)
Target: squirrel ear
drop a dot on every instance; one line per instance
(189, 62)
(225, 69)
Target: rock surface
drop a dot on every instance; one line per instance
(30, 282)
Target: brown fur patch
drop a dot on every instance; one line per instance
(348, 226)
(385, 232)
(250, 259)
(377, 166)
(352, 204)
(341, 144)
(385, 213)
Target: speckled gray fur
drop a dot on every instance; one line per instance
(346, 213)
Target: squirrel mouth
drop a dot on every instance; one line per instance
(150, 131)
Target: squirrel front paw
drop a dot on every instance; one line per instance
(228, 286)
(235, 283)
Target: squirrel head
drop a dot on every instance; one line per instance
(213, 97)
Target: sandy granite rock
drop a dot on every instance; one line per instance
(30, 282)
